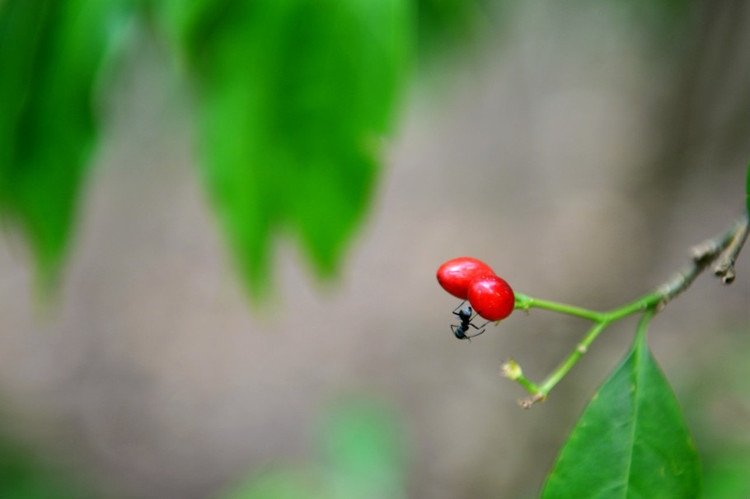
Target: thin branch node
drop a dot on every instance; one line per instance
(706, 251)
(725, 266)
(661, 304)
(528, 402)
(728, 276)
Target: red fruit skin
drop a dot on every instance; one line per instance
(492, 297)
(456, 275)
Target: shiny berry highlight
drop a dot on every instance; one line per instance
(456, 275)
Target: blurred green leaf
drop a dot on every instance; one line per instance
(361, 442)
(50, 54)
(728, 477)
(283, 484)
(632, 440)
(24, 476)
(295, 97)
(445, 24)
(717, 405)
(363, 450)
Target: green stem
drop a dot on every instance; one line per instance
(640, 331)
(573, 357)
(649, 304)
(526, 302)
(641, 304)
(530, 387)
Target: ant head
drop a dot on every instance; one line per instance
(465, 313)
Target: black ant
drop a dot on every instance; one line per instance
(465, 315)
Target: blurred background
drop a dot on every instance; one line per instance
(579, 148)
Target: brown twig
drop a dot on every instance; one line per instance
(725, 246)
(725, 266)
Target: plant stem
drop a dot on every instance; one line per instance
(530, 387)
(640, 331)
(527, 302)
(576, 354)
(725, 266)
(727, 245)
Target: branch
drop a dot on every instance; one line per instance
(726, 245)
(725, 267)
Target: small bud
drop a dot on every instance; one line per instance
(511, 370)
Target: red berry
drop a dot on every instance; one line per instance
(456, 275)
(491, 297)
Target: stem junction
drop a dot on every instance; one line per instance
(724, 247)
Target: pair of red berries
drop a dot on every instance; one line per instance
(471, 279)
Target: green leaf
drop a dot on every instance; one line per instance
(294, 97)
(362, 456)
(631, 442)
(50, 54)
(363, 449)
(727, 477)
(27, 474)
(293, 483)
(448, 23)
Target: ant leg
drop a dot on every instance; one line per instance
(474, 335)
(475, 315)
(469, 337)
(478, 327)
